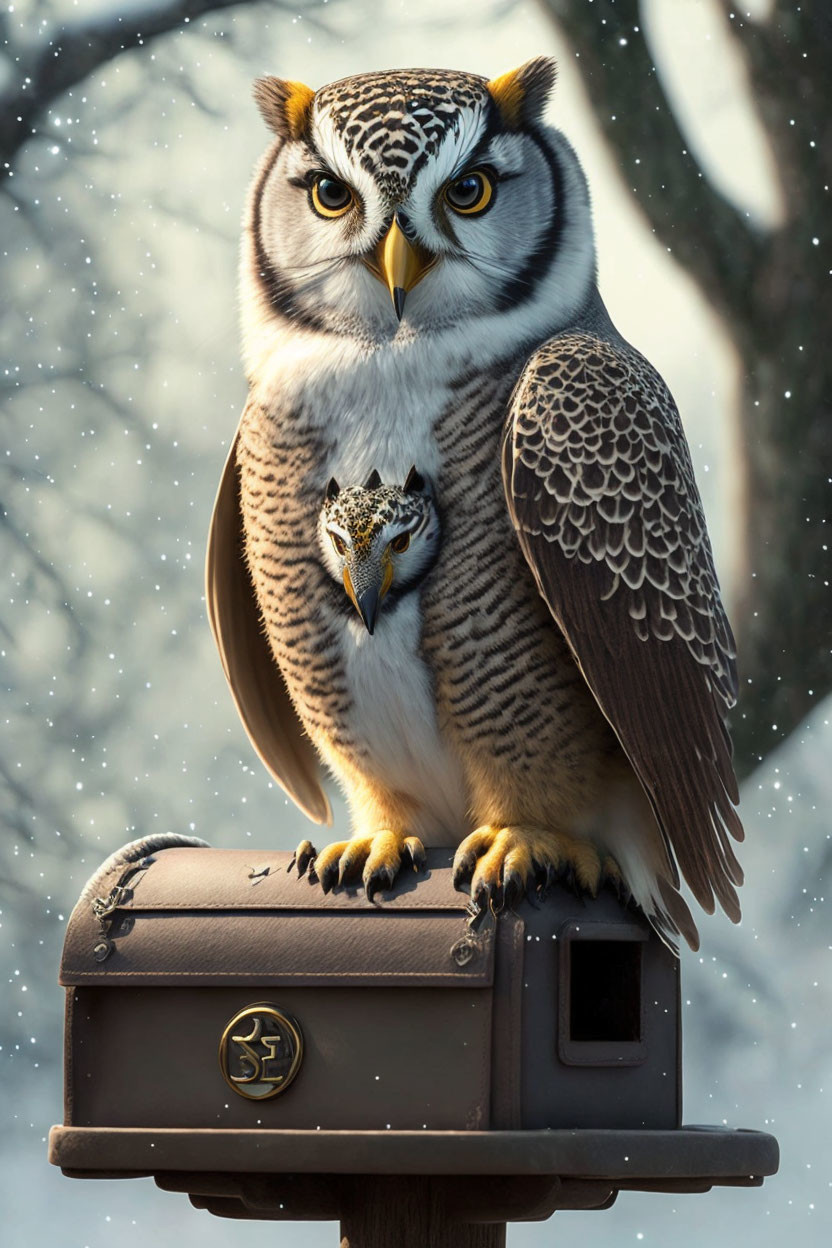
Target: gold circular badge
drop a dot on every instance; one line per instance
(260, 1051)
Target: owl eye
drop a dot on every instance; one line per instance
(339, 543)
(400, 544)
(331, 198)
(471, 193)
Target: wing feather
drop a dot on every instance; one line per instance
(601, 492)
(255, 680)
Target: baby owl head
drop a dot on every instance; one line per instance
(429, 195)
(378, 539)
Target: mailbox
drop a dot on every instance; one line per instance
(225, 1018)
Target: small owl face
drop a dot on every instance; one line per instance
(437, 185)
(377, 539)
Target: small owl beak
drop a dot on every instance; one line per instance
(368, 605)
(399, 263)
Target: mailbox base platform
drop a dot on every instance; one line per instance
(476, 1176)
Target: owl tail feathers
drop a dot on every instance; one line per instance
(674, 918)
(629, 831)
(654, 889)
(664, 908)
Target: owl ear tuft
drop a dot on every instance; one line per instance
(333, 489)
(373, 481)
(414, 482)
(286, 106)
(522, 94)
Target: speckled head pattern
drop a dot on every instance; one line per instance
(394, 122)
(379, 535)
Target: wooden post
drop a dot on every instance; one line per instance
(388, 1211)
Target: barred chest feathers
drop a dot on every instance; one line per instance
(324, 408)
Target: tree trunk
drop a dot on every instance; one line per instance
(784, 615)
(772, 292)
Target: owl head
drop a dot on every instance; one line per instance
(427, 197)
(378, 539)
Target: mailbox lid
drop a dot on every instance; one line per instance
(201, 917)
(193, 939)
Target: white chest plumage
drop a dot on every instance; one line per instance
(393, 709)
(375, 406)
(377, 409)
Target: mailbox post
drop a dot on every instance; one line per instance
(284, 1054)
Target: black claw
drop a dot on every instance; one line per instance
(328, 876)
(548, 879)
(464, 870)
(536, 884)
(344, 869)
(381, 879)
(418, 857)
(513, 889)
(303, 855)
(616, 885)
(480, 898)
(622, 892)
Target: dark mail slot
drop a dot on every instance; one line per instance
(605, 991)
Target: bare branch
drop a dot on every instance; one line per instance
(787, 58)
(67, 53)
(47, 572)
(704, 232)
(23, 803)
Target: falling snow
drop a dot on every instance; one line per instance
(122, 385)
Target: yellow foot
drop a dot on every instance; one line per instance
(502, 862)
(378, 857)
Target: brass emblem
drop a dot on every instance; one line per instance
(260, 1051)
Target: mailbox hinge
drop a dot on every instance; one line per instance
(104, 908)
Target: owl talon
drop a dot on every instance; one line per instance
(303, 856)
(504, 862)
(378, 858)
(463, 869)
(569, 881)
(415, 850)
(514, 888)
(328, 877)
(379, 880)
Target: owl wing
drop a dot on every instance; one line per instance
(254, 677)
(601, 492)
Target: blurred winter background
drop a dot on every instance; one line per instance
(128, 136)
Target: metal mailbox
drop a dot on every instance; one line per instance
(227, 1020)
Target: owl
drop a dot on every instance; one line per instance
(378, 540)
(546, 690)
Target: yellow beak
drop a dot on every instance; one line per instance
(400, 264)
